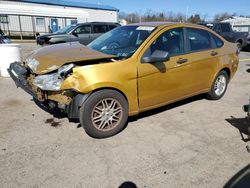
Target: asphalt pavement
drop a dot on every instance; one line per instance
(191, 143)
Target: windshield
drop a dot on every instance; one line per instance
(66, 29)
(122, 41)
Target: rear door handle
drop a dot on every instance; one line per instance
(181, 61)
(213, 53)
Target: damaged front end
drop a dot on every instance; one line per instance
(47, 75)
(46, 88)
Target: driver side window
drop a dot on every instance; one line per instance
(85, 29)
(171, 41)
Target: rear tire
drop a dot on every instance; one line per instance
(219, 86)
(104, 113)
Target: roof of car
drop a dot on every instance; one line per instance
(162, 24)
(85, 23)
(152, 24)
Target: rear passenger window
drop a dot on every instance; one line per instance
(100, 28)
(198, 39)
(218, 42)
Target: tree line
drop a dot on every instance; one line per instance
(151, 16)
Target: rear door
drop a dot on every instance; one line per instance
(203, 57)
(98, 30)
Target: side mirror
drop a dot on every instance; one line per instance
(157, 56)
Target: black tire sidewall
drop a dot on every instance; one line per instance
(239, 46)
(86, 113)
(212, 95)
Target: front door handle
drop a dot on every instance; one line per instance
(214, 53)
(181, 61)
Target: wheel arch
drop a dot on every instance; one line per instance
(239, 41)
(112, 88)
(227, 70)
(80, 98)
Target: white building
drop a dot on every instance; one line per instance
(239, 23)
(27, 17)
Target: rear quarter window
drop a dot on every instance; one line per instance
(218, 42)
(198, 39)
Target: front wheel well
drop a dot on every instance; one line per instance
(115, 89)
(75, 105)
(227, 70)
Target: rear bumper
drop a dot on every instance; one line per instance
(18, 75)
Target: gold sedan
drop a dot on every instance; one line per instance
(126, 71)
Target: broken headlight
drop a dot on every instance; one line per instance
(32, 64)
(52, 82)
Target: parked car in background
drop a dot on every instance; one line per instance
(247, 47)
(84, 33)
(3, 38)
(126, 71)
(226, 31)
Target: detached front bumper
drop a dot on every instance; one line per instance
(18, 73)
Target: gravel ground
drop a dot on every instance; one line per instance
(187, 144)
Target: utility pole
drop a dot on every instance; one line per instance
(187, 10)
(140, 15)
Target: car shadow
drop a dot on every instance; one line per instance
(56, 113)
(248, 70)
(128, 184)
(243, 125)
(165, 108)
(240, 179)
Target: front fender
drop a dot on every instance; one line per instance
(87, 79)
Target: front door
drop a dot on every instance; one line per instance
(82, 34)
(163, 82)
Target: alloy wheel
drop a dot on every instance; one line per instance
(107, 114)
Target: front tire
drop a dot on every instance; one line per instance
(219, 86)
(104, 113)
(239, 45)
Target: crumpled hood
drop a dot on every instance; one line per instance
(52, 57)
